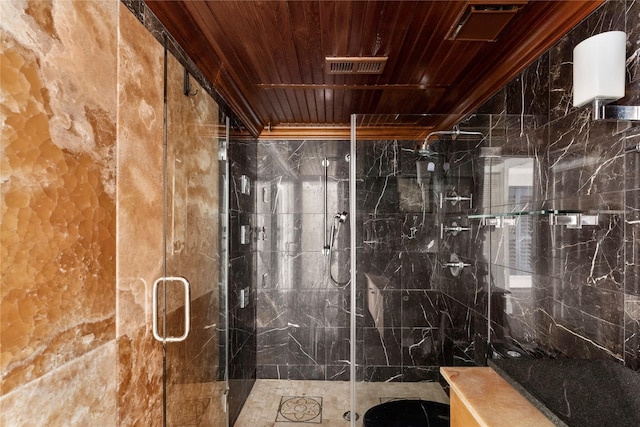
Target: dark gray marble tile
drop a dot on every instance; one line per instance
(632, 332)
(306, 346)
(420, 308)
(417, 270)
(305, 372)
(272, 346)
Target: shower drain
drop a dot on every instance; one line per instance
(347, 416)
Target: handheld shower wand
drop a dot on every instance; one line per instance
(339, 218)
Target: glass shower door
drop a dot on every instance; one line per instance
(190, 300)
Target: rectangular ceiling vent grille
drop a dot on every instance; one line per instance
(355, 65)
(484, 22)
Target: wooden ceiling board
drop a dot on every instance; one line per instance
(371, 30)
(417, 35)
(266, 58)
(272, 62)
(416, 54)
(335, 38)
(390, 38)
(273, 57)
(308, 40)
(277, 102)
(233, 82)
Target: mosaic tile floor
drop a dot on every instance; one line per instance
(281, 403)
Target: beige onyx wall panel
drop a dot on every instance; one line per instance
(58, 214)
(80, 393)
(140, 209)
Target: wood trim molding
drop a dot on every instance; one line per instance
(407, 133)
(268, 86)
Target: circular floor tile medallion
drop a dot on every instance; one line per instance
(300, 409)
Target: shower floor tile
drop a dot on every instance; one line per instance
(281, 403)
(301, 409)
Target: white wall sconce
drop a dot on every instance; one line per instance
(599, 69)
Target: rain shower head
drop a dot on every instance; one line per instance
(423, 149)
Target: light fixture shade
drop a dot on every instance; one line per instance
(599, 68)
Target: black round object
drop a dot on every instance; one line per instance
(408, 413)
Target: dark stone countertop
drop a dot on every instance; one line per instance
(580, 393)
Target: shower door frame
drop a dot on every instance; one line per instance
(353, 251)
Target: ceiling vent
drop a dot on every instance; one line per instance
(484, 20)
(355, 65)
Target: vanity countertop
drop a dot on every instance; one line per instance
(573, 392)
(489, 400)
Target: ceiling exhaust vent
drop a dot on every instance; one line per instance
(355, 65)
(484, 20)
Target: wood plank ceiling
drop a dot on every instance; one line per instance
(267, 58)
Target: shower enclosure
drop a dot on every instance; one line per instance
(349, 264)
(356, 284)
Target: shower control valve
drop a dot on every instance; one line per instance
(458, 264)
(455, 198)
(454, 229)
(455, 265)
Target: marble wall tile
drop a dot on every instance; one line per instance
(420, 346)
(399, 241)
(522, 94)
(632, 237)
(272, 310)
(382, 349)
(632, 28)
(378, 158)
(321, 310)
(58, 211)
(139, 378)
(632, 331)
(306, 346)
(383, 264)
(380, 233)
(273, 346)
(417, 270)
(420, 308)
(299, 309)
(246, 266)
(61, 398)
(139, 219)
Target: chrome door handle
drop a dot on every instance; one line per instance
(187, 308)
